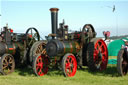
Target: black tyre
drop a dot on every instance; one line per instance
(97, 55)
(69, 65)
(7, 64)
(122, 64)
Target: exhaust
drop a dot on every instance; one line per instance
(54, 19)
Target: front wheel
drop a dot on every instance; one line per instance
(40, 65)
(69, 65)
(122, 63)
(7, 64)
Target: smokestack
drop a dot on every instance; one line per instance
(54, 19)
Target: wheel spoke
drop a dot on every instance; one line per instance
(67, 65)
(40, 72)
(10, 61)
(5, 67)
(70, 65)
(39, 49)
(7, 64)
(38, 65)
(6, 61)
(100, 55)
(42, 65)
(98, 47)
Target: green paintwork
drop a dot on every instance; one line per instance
(11, 49)
(74, 47)
(68, 47)
(115, 46)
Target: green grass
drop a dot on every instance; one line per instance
(55, 77)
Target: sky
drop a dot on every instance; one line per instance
(22, 14)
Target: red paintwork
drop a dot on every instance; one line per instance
(11, 30)
(42, 65)
(10, 48)
(30, 36)
(100, 46)
(107, 33)
(70, 66)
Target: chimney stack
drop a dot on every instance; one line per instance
(54, 19)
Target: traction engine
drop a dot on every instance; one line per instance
(15, 48)
(70, 50)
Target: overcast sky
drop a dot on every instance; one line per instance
(22, 14)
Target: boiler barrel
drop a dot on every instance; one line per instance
(8, 48)
(59, 48)
(2, 48)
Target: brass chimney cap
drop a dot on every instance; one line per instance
(54, 9)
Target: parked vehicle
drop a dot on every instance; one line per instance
(15, 48)
(70, 50)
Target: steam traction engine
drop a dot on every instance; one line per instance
(69, 50)
(16, 48)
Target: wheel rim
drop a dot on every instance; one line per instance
(70, 66)
(100, 55)
(42, 65)
(8, 64)
(124, 66)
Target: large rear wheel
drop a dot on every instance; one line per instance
(122, 63)
(7, 64)
(37, 48)
(97, 55)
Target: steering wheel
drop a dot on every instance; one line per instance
(32, 35)
(87, 32)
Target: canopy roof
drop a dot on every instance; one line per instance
(115, 46)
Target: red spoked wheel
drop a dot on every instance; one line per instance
(97, 55)
(40, 65)
(69, 65)
(122, 62)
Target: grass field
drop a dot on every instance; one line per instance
(55, 77)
